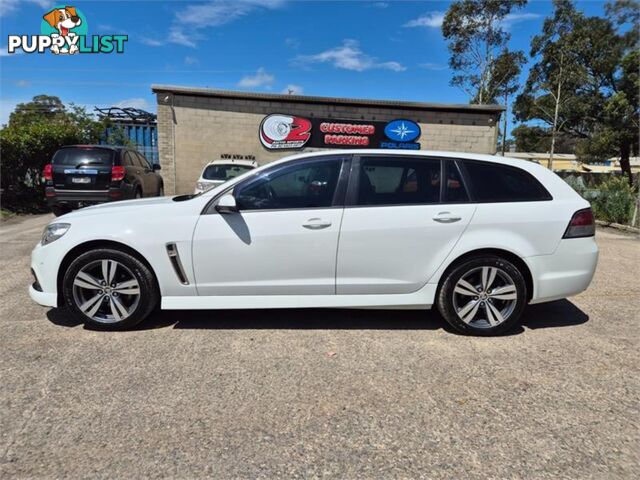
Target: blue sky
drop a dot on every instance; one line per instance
(365, 49)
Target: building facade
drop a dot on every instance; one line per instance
(197, 125)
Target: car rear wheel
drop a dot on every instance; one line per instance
(109, 289)
(483, 295)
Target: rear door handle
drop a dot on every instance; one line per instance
(316, 224)
(446, 217)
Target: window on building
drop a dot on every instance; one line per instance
(307, 185)
(500, 183)
(398, 181)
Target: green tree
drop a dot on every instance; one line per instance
(35, 131)
(584, 82)
(478, 42)
(39, 108)
(555, 76)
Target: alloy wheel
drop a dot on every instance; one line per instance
(106, 291)
(485, 297)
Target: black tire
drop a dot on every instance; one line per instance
(161, 191)
(148, 296)
(138, 193)
(445, 298)
(58, 211)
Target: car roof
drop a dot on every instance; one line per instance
(550, 180)
(514, 162)
(106, 147)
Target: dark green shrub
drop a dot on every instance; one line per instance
(615, 201)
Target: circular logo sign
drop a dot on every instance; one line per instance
(279, 132)
(402, 130)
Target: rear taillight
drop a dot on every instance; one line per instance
(117, 173)
(582, 224)
(47, 172)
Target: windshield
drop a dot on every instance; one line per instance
(77, 157)
(224, 172)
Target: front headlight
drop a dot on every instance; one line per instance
(202, 186)
(53, 232)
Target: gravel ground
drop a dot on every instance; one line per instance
(338, 394)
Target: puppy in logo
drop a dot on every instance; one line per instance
(63, 20)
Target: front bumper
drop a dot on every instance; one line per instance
(43, 298)
(567, 272)
(44, 268)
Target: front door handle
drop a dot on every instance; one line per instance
(446, 217)
(316, 224)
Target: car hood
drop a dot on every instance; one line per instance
(119, 207)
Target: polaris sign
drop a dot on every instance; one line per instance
(402, 134)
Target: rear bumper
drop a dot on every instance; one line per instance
(77, 197)
(567, 272)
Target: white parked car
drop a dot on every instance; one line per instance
(478, 236)
(219, 171)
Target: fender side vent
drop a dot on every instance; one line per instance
(174, 258)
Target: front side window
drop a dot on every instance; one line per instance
(398, 181)
(500, 183)
(306, 185)
(224, 172)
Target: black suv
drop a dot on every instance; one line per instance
(81, 175)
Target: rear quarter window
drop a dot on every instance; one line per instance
(77, 157)
(501, 183)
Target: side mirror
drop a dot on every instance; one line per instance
(227, 204)
(156, 167)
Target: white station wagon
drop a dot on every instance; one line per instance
(478, 236)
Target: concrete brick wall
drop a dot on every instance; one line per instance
(194, 130)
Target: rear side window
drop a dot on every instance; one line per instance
(77, 157)
(454, 189)
(500, 183)
(142, 159)
(398, 181)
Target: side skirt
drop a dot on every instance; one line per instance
(422, 299)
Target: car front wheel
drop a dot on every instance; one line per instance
(109, 289)
(483, 295)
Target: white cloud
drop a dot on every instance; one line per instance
(428, 20)
(10, 6)
(513, 18)
(380, 4)
(292, 43)
(292, 89)
(349, 56)
(433, 66)
(140, 103)
(260, 79)
(434, 19)
(151, 42)
(23, 83)
(213, 14)
(176, 35)
(189, 60)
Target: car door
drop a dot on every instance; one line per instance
(151, 178)
(284, 238)
(400, 222)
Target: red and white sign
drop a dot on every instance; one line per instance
(279, 132)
